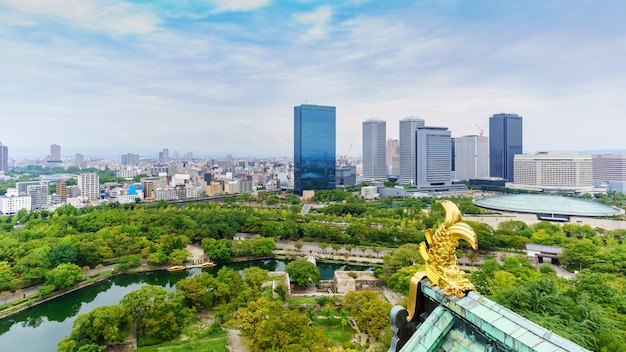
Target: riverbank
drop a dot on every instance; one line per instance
(31, 296)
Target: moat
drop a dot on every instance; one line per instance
(41, 327)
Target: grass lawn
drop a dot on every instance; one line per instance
(333, 330)
(310, 300)
(215, 344)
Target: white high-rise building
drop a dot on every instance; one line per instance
(433, 146)
(89, 185)
(408, 127)
(471, 157)
(374, 149)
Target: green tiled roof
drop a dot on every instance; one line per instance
(474, 323)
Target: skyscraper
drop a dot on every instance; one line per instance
(79, 161)
(4, 158)
(314, 148)
(433, 162)
(408, 127)
(55, 152)
(130, 159)
(471, 157)
(505, 140)
(374, 149)
(393, 153)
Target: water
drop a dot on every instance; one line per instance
(41, 327)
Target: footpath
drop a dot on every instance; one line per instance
(29, 291)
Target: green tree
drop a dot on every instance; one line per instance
(64, 275)
(128, 262)
(87, 253)
(268, 326)
(303, 273)
(369, 310)
(218, 250)
(197, 291)
(62, 253)
(255, 277)
(7, 277)
(580, 254)
(406, 255)
(151, 308)
(96, 328)
(34, 265)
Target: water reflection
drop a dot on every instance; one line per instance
(41, 327)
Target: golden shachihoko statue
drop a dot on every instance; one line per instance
(441, 262)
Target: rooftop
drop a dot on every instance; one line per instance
(547, 204)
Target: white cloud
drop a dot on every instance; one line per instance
(238, 5)
(318, 21)
(114, 18)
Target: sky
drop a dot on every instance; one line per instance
(217, 77)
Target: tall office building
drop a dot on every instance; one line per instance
(610, 170)
(433, 158)
(505, 140)
(165, 154)
(55, 152)
(314, 148)
(408, 128)
(393, 152)
(79, 161)
(471, 157)
(4, 158)
(130, 159)
(89, 185)
(374, 149)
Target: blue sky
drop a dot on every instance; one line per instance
(222, 76)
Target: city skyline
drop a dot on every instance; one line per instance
(119, 77)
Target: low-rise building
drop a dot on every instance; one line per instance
(13, 202)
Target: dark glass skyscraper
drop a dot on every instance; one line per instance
(314, 151)
(505, 140)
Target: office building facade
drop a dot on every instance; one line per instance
(408, 128)
(55, 152)
(38, 195)
(374, 149)
(4, 158)
(610, 170)
(433, 158)
(314, 148)
(130, 159)
(505, 140)
(393, 157)
(471, 157)
(567, 173)
(79, 161)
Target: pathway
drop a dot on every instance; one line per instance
(29, 291)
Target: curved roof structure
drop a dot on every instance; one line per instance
(547, 204)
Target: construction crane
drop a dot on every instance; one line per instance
(343, 158)
(480, 129)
